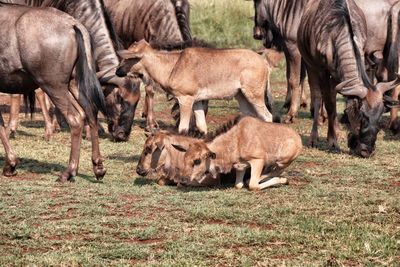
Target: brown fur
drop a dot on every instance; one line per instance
(159, 159)
(267, 148)
(197, 74)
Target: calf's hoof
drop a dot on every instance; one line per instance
(12, 134)
(10, 169)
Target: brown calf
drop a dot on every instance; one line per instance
(159, 157)
(196, 74)
(267, 148)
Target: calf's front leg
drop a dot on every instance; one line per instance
(185, 105)
(11, 159)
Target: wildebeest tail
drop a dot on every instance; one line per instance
(392, 46)
(29, 101)
(182, 11)
(357, 53)
(91, 97)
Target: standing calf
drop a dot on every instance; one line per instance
(196, 74)
(267, 148)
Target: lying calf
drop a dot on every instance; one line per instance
(159, 157)
(196, 74)
(267, 148)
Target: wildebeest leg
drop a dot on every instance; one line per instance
(329, 98)
(315, 92)
(293, 59)
(15, 102)
(148, 109)
(303, 86)
(11, 160)
(239, 178)
(97, 160)
(40, 95)
(257, 166)
(185, 106)
(273, 177)
(245, 107)
(258, 104)
(201, 123)
(394, 124)
(74, 115)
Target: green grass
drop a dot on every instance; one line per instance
(337, 210)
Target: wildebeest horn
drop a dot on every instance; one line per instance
(352, 90)
(386, 86)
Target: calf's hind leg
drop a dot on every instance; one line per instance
(11, 159)
(258, 103)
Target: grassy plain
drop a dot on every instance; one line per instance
(337, 210)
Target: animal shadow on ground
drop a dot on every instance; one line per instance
(141, 123)
(124, 158)
(40, 167)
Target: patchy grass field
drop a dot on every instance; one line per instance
(336, 210)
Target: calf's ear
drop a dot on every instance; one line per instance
(126, 54)
(179, 148)
(211, 155)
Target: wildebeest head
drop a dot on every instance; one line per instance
(121, 100)
(152, 157)
(132, 60)
(364, 109)
(262, 28)
(197, 161)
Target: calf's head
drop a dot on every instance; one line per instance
(153, 154)
(132, 60)
(197, 161)
(364, 109)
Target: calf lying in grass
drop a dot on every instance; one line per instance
(267, 148)
(196, 74)
(159, 158)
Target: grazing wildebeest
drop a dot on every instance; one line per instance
(46, 48)
(331, 38)
(196, 74)
(276, 23)
(121, 94)
(267, 148)
(160, 158)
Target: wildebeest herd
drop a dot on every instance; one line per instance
(90, 56)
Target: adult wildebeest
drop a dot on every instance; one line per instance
(46, 48)
(332, 38)
(276, 23)
(121, 94)
(267, 148)
(196, 74)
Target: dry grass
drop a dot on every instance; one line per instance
(337, 210)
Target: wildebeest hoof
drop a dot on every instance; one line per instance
(99, 169)
(312, 142)
(66, 176)
(289, 119)
(144, 115)
(151, 126)
(12, 134)
(334, 149)
(239, 185)
(395, 127)
(10, 170)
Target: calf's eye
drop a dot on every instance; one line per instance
(197, 162)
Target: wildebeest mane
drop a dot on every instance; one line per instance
(223, 129)
(195, 42)
(114, 37)
(339, 17)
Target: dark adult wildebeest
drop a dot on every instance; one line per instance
(121, 94)
(276, 23)
(46, 48)
(332, 38)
